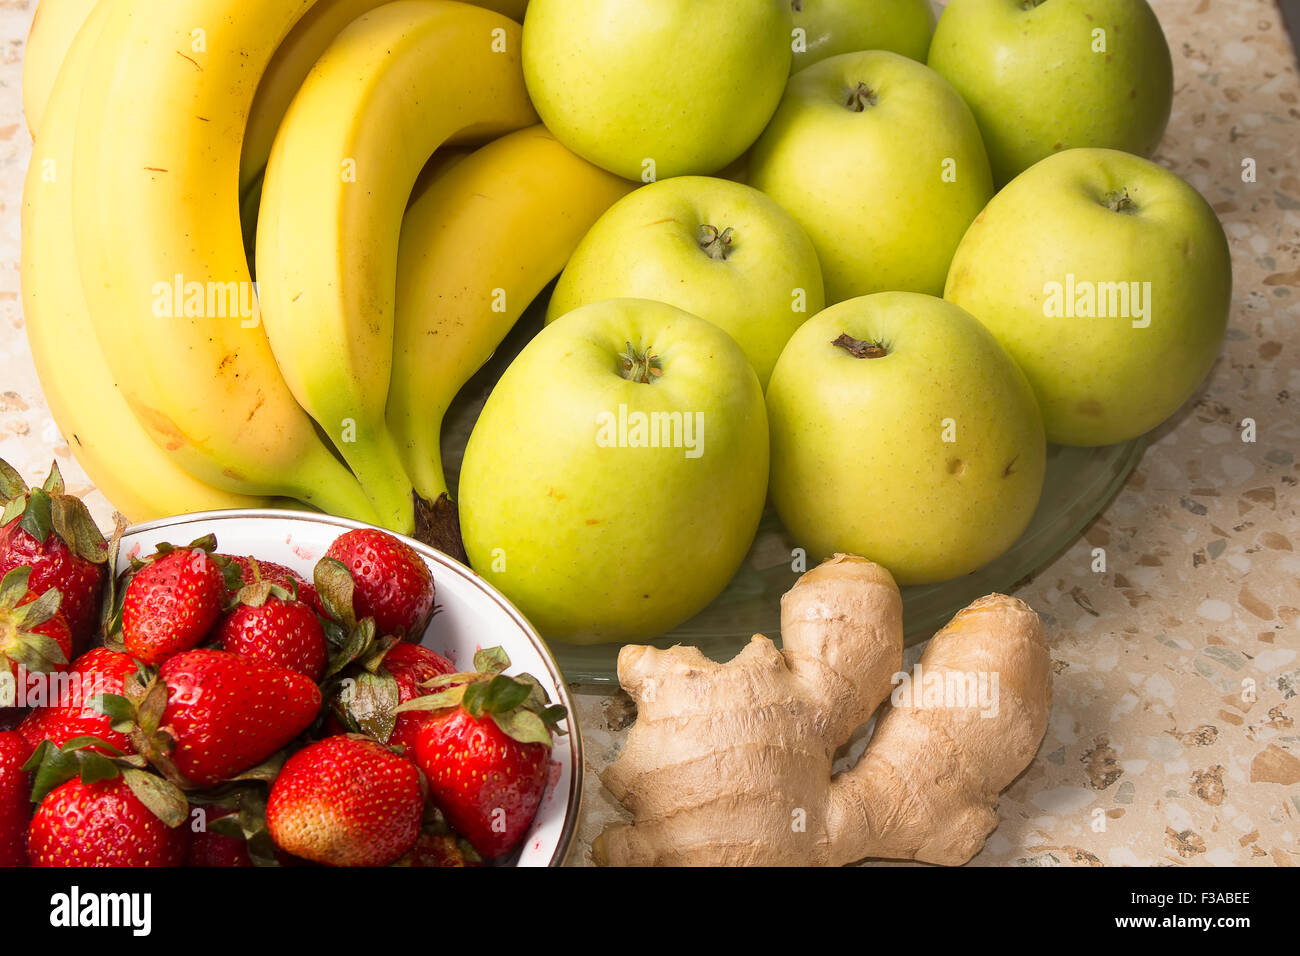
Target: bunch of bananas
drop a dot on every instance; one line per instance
(386, 274)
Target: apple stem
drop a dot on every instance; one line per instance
(640, 366)
(860, 97)
(717, 243)
(859, 348)
(1120, 201)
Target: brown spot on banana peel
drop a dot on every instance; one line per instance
(164, 431)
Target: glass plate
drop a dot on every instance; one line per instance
(1079, 484)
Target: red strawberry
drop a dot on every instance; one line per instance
(226, 714)
(101, 824)
(274, 628)
(393, 584)
(486, 750)
(411, 665)
(209, 848)
(53, 534)
(253, 569)
(15, 799)
(346, 801)
(34, 634)
(172, 604)
(486, 783)
(98, 671)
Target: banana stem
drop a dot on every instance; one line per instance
(324, 483)
(374, 460)
(419, 444)
(428, 477)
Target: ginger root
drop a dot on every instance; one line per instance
(730, 764)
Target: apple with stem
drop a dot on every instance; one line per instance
(718, 249)
(650, 89)
(615, 479)
(829, 27)
(880, 161)
(1046, 75)
(901, 431)
(1108, 279)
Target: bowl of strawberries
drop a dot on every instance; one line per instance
(275, 688)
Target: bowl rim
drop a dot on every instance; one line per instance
(573, 802)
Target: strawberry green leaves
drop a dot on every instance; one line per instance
(368, 696)
(52, 766)
(13, 588)
(164, 799)
(264, 772)
(337, 591)
(496, 696)
(119, 711)
(50, 509)
(72, 522)
(12, 486)
(372, 701)
(22, 618)
(519, 705)
(349, 639)
(38, 518)
(139, 713)
(259, 592)
(492, 660)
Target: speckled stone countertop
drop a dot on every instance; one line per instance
(1173, 738)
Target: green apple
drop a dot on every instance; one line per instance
(880, 161)
(1047, 75)
(831, 27)
(1108, 280)
(717, 249)
(902, 432)
(650, 89)
(615, 479)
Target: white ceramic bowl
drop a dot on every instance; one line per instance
(472, 615)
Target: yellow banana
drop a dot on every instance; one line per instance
(393, 86)
(136, 476)
(156, 216)
(478, 244)
(294, 60)
(285, 74)
(53, 29)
